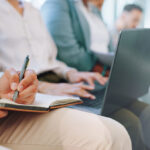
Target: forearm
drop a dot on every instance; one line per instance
(42, 86)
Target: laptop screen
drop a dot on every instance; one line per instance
(130, 74)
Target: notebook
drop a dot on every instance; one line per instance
(42, 103)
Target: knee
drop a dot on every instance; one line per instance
(130, 121)
(119, 137)
(134, 127)
(91, 131)
(110, 135)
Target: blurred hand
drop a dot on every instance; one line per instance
(89, 77)
(78, 89)
(27, 87)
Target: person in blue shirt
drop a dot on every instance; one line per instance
(72, 34)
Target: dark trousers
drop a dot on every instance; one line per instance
(135, 117)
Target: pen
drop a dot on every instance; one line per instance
(24, 67)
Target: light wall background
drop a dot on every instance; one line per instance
(114, 7)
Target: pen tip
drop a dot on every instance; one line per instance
(27, 57)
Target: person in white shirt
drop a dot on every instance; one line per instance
(61, 129)
(100, 43)
(23, 32)
(99, 33)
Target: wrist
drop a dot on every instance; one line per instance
(45, 86)
(70, 73)
(41, 85)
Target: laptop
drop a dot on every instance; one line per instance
(130, 73)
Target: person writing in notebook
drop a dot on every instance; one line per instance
(61, 129)
(27, 35)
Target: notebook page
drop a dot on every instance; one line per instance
(43, 100)
(38, 103)
(47, 100)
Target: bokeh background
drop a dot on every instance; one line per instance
(115, 8)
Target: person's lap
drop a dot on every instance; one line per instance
(135, 117)
(133, 125)
(60, 129)
(137, 122)
(142, 111)
(129, 117)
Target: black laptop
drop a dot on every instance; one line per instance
(130, 74)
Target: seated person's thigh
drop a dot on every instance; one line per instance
(62, 128)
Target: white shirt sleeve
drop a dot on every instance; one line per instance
(31, 37)
(61, 68)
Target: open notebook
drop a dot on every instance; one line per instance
(42, 103)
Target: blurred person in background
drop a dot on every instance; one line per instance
(129, 19)
(83, 34)
(78, 30)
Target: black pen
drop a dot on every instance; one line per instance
(21, 76)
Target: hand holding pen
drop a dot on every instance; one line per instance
(27, 87)
(30, 77)
(24, 67)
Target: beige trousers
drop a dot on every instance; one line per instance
(62, 129)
